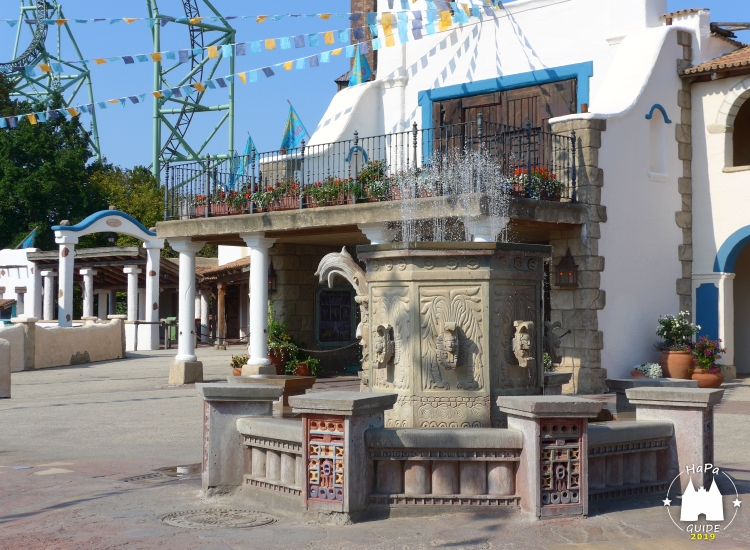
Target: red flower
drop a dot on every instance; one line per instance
(247, 195)
(270, 188)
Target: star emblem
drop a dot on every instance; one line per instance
(736, 502)
(667, 502)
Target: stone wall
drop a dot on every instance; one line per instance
(577, 309)
(683, 135)
(15, 336)
(62, 346)
(294, 299)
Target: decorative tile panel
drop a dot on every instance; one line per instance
(561, 464)
(325, 460)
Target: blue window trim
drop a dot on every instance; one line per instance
(727, 255)
(658, 106)
(580, 71)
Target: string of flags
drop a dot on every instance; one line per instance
(435, 24)
(165, 20)
(421, 21)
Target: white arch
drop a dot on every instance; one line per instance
(739, 93)
(107, 221)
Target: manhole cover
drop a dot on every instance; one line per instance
(206, 519)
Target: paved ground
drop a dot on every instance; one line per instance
(69, 436)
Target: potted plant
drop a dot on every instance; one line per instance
(646, 370)
(706, 353)
(307, 367)
(676, 333)
(238, 361)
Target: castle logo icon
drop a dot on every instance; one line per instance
(695, 503)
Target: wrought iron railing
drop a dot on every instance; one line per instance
(533, 163)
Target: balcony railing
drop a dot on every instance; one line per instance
(532, 163)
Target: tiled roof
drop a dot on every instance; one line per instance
(218, 270)
(5, 303)
(735, 60)
(683, 12)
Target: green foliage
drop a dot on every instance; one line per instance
(651, 370)
(239, 361)
(44, 177)
(547, 361)
(133, 191)
(291, 366)
(676, 332)
(707, 352)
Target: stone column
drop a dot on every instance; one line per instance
(102, 304)
(66, 265)
(223, 405)
(258, 341)
(339, 420)
(243, 311)
(153, 264)
(551, 424)
(205, 294)
(88, 291)
(132, 273)
(577, 308)
(112, 303)
(221, 319)
(691, 411)
(33, 306)
(185, 368)
(377, 233)
(49, 294)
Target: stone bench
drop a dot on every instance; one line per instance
(619, 385)
(273, 454)
(455, 466)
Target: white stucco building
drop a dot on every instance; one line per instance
(655, 221)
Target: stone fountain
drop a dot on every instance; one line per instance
(448, 326)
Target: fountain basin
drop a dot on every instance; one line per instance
(291, 385)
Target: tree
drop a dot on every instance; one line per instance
(44, 177)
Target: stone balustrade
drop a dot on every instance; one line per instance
(628, 458)
(273, 454)
(475, 467)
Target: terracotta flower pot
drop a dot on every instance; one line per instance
(676, 364)
(237, 372)
(637, 374)
(278, 358)
(707, 379)
(303, 369)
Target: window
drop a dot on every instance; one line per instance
(658, 147)
(741, 136)
(335, 316)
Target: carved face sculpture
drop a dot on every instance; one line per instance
(383, 346)
(448, 346)
(523, 346)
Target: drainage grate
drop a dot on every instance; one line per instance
(156, 477)
(208, 519)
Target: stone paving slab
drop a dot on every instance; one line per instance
(109, 421)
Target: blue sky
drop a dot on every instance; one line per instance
(261, 107)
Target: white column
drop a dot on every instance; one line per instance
(88, 291)
(65, 295)
(112, 303)
(102, 304)
(49, 294)
(34, 298)
(186, 318)
(378, 233)
(141, 316)
(205, 294)
(258, 341)
(132, 273)
(153, 263)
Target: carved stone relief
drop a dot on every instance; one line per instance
(511, 305)
(391, 358)
(451, 322)
(523, 345)
(439, 412)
